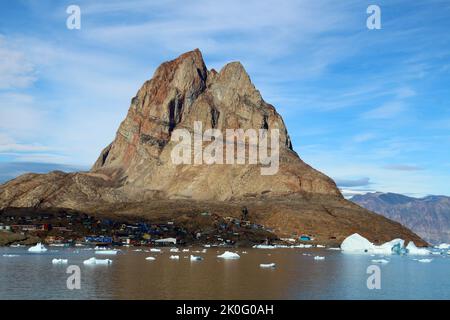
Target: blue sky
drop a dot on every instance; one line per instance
(370, 108)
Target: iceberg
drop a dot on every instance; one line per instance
(174, 257)
(196, 258)
(60, 261)
(320, 246)
(38, 248)
(94, 261)
(229, 255)
(150, 258)
(413, 250)
(425, 260)
(319, 258)
(357, 243)
(267, 265)
(155, 250)
(107, 252)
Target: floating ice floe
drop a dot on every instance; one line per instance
(443, 246)
(382, 261)
(229, 255)
(17, 245)
(319, 258)
(94, 261)
(413, 250)
(263, 246)
(355, 243)
(10, 255)
(60, 261)
(207, 246)
(335, 249)
(150, 258)
(38, 248)
(174, 250)
(320, 246)
(196, 258)
(155, 250)
(137, 250)
(174, 257)
(425, 260)
(185, 250)
(267, 265)
(107, 252)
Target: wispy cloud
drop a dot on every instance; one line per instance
(403, 167)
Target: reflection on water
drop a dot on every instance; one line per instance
(296, 276)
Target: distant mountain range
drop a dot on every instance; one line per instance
(429, 217)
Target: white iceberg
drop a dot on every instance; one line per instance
(60, 261)
(382, 261)
(357, 243)
(155, 250)
(229, 255)
(320, 246)
(94, 261)
(38, 248)
(413, 250)
(196, 258)
(425, 260)
(107, 252)
(267, 265)
(319, 258)
(150, 258)
(174, 257)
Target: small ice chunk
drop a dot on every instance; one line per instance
(174, 250)
(319, 258)
(38, 248)
(155, 250)
(229, 255)
(94, 261)
(196, 258)
(174, 257)
(150, 258)
(335, 249)
(185, 250)
(10, 255)
(107, 252)
(320, 246)
(382, 261)
(413, 250)
(267, 265)
(425, 260)
(60, 261)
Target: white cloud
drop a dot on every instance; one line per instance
(388, 110)
(15, 69)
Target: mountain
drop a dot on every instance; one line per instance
(136, 174)
(429, 217)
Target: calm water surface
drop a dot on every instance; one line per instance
(297, 276)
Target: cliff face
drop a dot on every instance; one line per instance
(136, 168)
(429, 217)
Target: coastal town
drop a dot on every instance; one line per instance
(69, 228)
